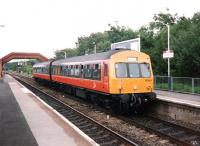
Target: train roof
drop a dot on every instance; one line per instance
(42, 64)
(91, 57)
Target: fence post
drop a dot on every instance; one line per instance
(192, 85)
(172, 84)
(169, 83)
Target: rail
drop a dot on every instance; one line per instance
(178, 134)
(98, 132)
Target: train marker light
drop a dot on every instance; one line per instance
(132, 59)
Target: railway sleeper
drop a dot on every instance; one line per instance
(92, 134)
(89, 131)
(99, 137)
(78, 123)
(85, 126)
(113, 142)
(103, 141)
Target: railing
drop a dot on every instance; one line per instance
(179, 84)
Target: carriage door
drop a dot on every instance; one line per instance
(105, 76)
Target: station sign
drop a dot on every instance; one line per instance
(168, 54)
(133, 44)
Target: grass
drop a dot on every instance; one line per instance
(178, 87)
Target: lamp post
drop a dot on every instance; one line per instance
(168, 50)
(95, 48)
(168, 46)
(65, 54)
(1, 64)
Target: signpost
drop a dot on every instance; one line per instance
(168, 54)
(133, 44)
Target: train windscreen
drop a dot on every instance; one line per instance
(145, 70)
(132, 70)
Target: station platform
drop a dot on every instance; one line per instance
(26, 121)
(179, 98)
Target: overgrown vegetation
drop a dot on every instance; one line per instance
(21, 66)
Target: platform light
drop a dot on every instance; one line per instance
(2, 25)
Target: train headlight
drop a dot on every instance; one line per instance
(120, 89)
(148, 88)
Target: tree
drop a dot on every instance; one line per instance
(60, 54)
(184, 40)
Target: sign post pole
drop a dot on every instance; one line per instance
(168, 28)
(169, 80)
(1, 68)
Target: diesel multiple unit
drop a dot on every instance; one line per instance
(122, 79)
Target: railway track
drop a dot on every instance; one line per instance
(178, 134)
(98, 132)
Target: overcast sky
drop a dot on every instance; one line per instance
(44, 25)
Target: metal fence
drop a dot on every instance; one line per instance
(179, 84)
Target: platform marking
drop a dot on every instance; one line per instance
(25, 90)
(178, 101)
(12, 83)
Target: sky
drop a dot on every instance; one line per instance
(44, 26)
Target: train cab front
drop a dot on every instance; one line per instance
(132, 82)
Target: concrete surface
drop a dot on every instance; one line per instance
(180, 98)
(47, 127)
(14, 130)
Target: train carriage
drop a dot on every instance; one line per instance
(41, 71)
(123, 78)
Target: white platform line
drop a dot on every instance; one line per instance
(178, 101)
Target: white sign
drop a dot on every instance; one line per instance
(133, 44)
(168, 54)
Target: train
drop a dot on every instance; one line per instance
(119, 79)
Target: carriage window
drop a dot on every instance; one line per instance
(105, 69)
(57, 70)
(121, 70)
(61, 70)
(47, 69)
(96, 71)
(43, 70)
(71, 70)
(66, 70)
(77, 71)
(81, 70)
(134, 71)
(145, 70)
(54, 70)
(88, 71)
